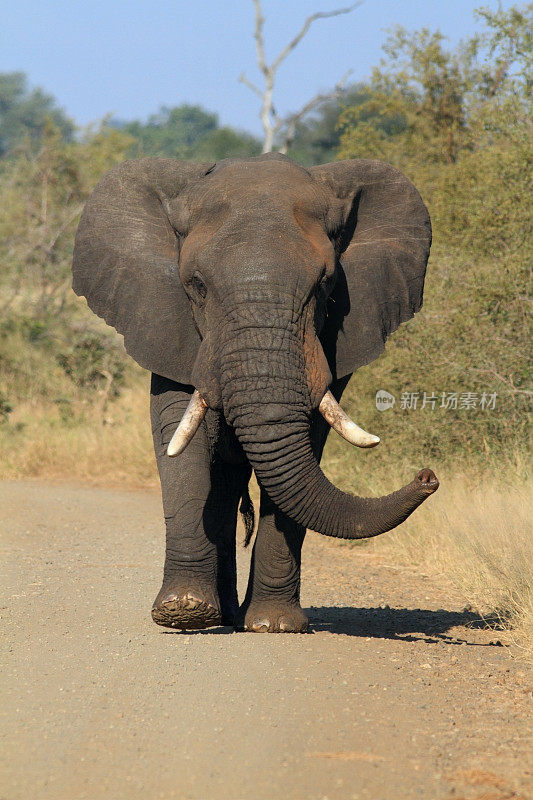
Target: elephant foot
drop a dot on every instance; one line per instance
(271, 616)
(188, 608)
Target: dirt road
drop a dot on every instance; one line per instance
(391, 697)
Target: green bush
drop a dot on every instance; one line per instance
(93, 361)
(466, 144)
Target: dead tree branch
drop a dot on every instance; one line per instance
(272, 123)
(291, 121)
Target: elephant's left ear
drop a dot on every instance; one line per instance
(383, 233)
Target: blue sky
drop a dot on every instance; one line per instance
(128, 58)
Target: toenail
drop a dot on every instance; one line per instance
(171, 598)
(260, 625)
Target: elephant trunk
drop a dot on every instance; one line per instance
(267, 400)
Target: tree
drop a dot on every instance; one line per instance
(226, 142)
(424, 100)
(463, 135)
(24, 113)
(417, 102)
(509, 41)
(172, 132)
(51, 351)
(317, 138)
(187, 131)
(42, 194)
(280, 131)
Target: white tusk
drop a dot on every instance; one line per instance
(190, 422)
(341, 422)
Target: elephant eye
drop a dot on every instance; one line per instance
(323, 280)
(324, 286)
(197, 282)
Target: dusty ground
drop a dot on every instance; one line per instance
(398, 693)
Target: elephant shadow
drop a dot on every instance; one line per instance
(407, 624)
(404, 624)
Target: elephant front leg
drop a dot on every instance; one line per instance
(272, 602)
(200, 500)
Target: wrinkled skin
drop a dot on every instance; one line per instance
(292, 279)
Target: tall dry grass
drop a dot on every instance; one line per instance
(475, 530)
(480, 537)
(80, 443)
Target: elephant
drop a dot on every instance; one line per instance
(252, 289)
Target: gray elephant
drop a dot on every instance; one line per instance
(252, 289)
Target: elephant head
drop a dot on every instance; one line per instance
(258, 283)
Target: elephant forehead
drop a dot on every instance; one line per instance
(257, 230)
(255, 247)
(260, 187)
(252, 220)
(265, 167)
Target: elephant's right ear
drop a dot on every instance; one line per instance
(126, 262)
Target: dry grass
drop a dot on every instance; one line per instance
(480, 537)
(83, 444)
(476, 529)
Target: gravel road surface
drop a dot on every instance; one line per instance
(397, 693)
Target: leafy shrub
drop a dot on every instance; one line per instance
(93, 360)
(466, 145)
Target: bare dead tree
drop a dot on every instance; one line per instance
(275, 126)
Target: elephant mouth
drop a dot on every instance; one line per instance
(328, 407)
